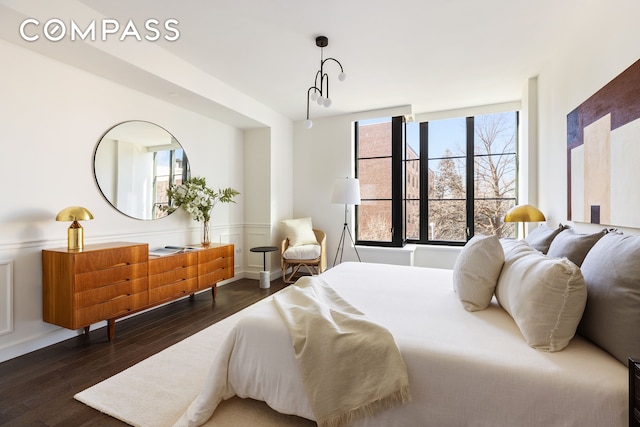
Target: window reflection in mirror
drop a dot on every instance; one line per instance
(134, 164)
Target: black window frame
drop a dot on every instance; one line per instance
(399, 198)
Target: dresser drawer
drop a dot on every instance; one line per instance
(109, 258)
(210, 279)
(172, 291)
(210, 254)
(116, 275)
(105, 294)
(173, 276)
(172, 262)
(215, 264)
(119, 306)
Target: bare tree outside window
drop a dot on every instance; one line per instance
(439, 207)
(495, 173)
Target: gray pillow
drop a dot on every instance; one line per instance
(476, 271)
(611, 271)
(574, 246)
(542, 236)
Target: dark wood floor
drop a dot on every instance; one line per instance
(37, 389)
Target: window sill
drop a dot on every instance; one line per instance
(434, 256)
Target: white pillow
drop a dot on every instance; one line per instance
(302, 252)
(476, 271)
(299, 232)
(545, 296)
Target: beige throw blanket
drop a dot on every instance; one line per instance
(350, 366)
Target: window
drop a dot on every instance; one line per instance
(378, 162)
(440, 181)
(168, 170)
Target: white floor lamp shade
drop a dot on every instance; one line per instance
(346, 191)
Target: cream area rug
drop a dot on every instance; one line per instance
(156, 391)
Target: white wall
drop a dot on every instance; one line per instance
(586, 62)
(52, 117)
(320, 156)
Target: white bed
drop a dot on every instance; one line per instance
(465, 368)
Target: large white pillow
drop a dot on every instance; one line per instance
(476, 271)
(299, 231)
(545, 296)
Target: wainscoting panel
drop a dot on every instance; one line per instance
(256, 238)
(234, 237)
(6, 297)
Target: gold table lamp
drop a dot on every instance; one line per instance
(524, 213)
(75, 231)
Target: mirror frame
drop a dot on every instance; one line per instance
(131, 150)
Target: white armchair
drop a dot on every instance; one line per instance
(308, 253)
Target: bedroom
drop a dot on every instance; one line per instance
(60, 111)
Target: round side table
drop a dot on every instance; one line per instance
(264, 274)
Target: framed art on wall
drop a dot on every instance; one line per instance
(603, 154)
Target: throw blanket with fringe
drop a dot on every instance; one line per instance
(350, 366)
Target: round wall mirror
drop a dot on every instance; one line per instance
(134, 164)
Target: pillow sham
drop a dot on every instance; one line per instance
(476, 271)
(573, 246)
(611, 271)
(545, 296)
(299, 231)
(542, 236)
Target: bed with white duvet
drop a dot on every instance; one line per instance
(464, 368)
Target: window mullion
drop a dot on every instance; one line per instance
(470, 178)
(397, 195)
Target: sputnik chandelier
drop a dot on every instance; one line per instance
(319, 92)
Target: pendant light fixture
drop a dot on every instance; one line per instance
(319, 92)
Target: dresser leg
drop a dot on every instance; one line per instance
(214, 290)
(111, 328)
(87, 329)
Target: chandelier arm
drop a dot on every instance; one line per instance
(327, 84)
(315, 82)
(336, 61)
(308, 94)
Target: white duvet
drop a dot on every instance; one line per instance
(465, 368)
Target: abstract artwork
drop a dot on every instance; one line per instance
(603, 154)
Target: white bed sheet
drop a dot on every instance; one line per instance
(465, 369)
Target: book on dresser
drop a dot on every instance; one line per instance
(172, 250)
(112, 280)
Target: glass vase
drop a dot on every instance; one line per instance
(206, 234)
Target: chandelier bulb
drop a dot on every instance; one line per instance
(320, 100)
(314, 95)
(342, 76)
(308, 124)
(327, 102)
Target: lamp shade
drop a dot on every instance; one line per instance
(74, 213)
(524, 213)
(75, 232)
(346, 191)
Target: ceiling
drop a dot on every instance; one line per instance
(434, 55)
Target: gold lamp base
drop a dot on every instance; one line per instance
(75, 234)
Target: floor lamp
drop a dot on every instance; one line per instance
(346, 191)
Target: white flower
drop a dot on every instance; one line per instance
(197, 199)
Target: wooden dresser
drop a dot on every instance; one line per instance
(112, 280)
